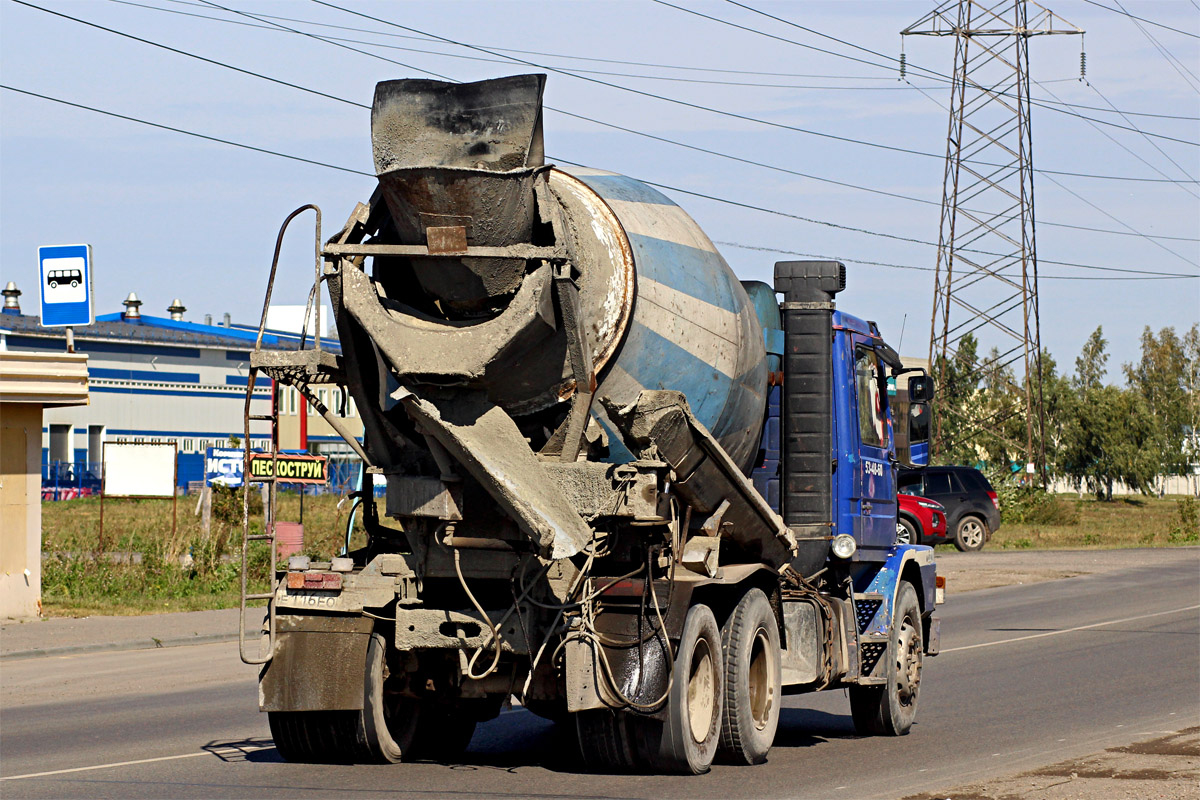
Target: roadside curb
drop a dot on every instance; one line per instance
(149, 643)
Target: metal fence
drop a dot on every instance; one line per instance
(66, 480)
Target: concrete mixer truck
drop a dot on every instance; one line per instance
(623, 489)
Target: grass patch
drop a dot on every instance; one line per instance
(1067, 522)
(139, 567)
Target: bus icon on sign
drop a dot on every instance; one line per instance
(64, 280)
(71, 276)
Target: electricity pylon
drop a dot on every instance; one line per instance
(986, 278)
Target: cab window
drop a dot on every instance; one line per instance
(872, 412)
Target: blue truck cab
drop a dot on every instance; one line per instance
(832, 446)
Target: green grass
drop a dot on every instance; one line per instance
(84, 573)
(1095, 524)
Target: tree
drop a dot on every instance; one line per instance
(1191, 388)
(1091, 366)
(1107, 432)
(1160, 379)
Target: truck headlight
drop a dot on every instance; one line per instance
(843, 545)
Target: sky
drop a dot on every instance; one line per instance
(171, 215)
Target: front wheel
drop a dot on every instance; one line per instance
(906, 532)
(889, 710)
(970, 534)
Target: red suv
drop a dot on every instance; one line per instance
(919, 520)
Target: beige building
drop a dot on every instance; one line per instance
(29, 383)
(317, 436)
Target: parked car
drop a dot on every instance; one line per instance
(920, 521)
(972, 508)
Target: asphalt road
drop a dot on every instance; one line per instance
(1029, 675)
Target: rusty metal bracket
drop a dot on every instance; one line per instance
(567, 440)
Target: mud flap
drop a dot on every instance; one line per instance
(318, 664)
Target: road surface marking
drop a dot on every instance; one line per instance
(1070, 630)
(114, 764)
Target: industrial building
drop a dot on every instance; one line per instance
(164, 379)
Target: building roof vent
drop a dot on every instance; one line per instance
(12, 305)
(132, 311)
(176, 309)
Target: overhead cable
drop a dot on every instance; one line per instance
(583, 118)
(666, 187)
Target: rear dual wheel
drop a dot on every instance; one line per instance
(753, 681)
(389, 729)
(686, 740)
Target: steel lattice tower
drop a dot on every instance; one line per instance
(986, 276)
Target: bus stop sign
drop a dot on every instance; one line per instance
(66, 286)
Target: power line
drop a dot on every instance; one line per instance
(503, 60)
(192, 55)
(1151, 142)
(431, 37)
(847, 260)
(933, 74)
(566, 113)
(1049, 177)
(1142, 19)
(500, 49)
(187, 132)
(642, 93)
(666, 187)
(622, 62)
(1190, 77)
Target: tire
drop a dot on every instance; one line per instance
(605, 744)
(971, 534)
(382, 732)
(74, 284)
(889, 710)
(387, 725)
(691, 732)
(314, 737)
(53, 284)
(906, 532)
(753, 681)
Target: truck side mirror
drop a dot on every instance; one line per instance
(918, 432)
(920, 388)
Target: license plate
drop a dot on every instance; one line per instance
(296, 597)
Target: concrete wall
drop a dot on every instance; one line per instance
(20, 509)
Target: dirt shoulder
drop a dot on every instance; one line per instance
(988, 569)
(1166, 767)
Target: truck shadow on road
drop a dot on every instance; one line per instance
(518, 738)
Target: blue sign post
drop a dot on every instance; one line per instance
(66, 285)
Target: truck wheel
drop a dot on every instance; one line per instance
(387, 724)
(314, 737)
(906, 532)
(889, 710)
(382, 732)
(692, 729)
(605, 743)
(753, 681)
(970, 534)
